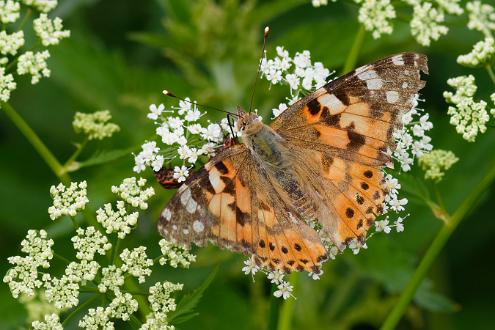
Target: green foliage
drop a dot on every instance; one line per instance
(208, 50)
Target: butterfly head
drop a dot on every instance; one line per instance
(248, 122)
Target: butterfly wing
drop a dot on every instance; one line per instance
(229, 203)
(345, 128)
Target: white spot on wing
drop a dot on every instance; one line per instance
(398, 60)
(184, 197)
(216, 181)
(333, 104)
(374, 83)
(166, 214)
(191, 206)
(405, 85)
(370, 74)
(198, 226)
(392, 96)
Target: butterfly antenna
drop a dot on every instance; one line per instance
(265, 36)
(169, 94)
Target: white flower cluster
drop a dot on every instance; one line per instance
(23, 277)
(482, 53)
(175, 255)
(136, 263)
(68, 200)
(182, 135)
(412, 140)
(88, 242)
(481, 17)
(7, 85)
(427, 22)
(51, 322)
(34, 64)
(134, 192)
(10, 43)
(161, 301)
(62, 292)
(376, 16)
(436, 163)
(9, 11)
(42, 5)
(49, 31)
(298, 72)
(95, 125)
(468, 116)
(384, 225)
(118, 221)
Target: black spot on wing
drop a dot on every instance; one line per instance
(314, 107)
(220, 166)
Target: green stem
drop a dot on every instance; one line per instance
(287, 309)
(36, 142)
(58, 256)
(79, 308)
(68, 166)
(115, 253)
(490, 72)
(434, 250)
(351, 61)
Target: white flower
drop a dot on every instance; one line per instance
(68, 200)
(176, 255)
(9, 11)
(10, 43)
(122, 306)
(426, 23)
(33, 64)
(284, 290)
(436, 162)
(23, 277)
(481, 17)
(155, 111)
(7, 85)
(276, 276)
(482, 53)
(134, 192)
(315, 276)
(277, 111)
(382, 226)
(62, 292)
(375, 15)
(213, 133)
(81, 272)
(42, 5)
(148, 157)
(250, 266)
(89, 242)
(136, 263)
(160, 298)
(112, 279)
(96, 319)
(49, 31)
(181, 173)
(318, 3)
(468, 116)
(116, 221)
(399, 226)
(52, 322)
(95, 125)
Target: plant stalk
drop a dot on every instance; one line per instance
(351, 60)
(434, 250)
(36, 142)
(287, 309)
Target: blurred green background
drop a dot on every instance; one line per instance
(123, 53)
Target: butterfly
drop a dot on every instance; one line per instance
(310, 180)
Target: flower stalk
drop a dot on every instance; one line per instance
(434, 250)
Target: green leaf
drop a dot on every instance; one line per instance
(103, 156)
(185, 308)
(434, 301)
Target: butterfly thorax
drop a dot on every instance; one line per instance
(266, 145)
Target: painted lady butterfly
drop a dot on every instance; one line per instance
(318, 162)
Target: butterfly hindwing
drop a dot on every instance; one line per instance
(229, 203)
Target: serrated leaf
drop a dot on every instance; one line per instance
(102, 156)
(185, 307)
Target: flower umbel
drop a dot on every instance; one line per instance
(95, 125)
(436, 163)
(68, 200)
